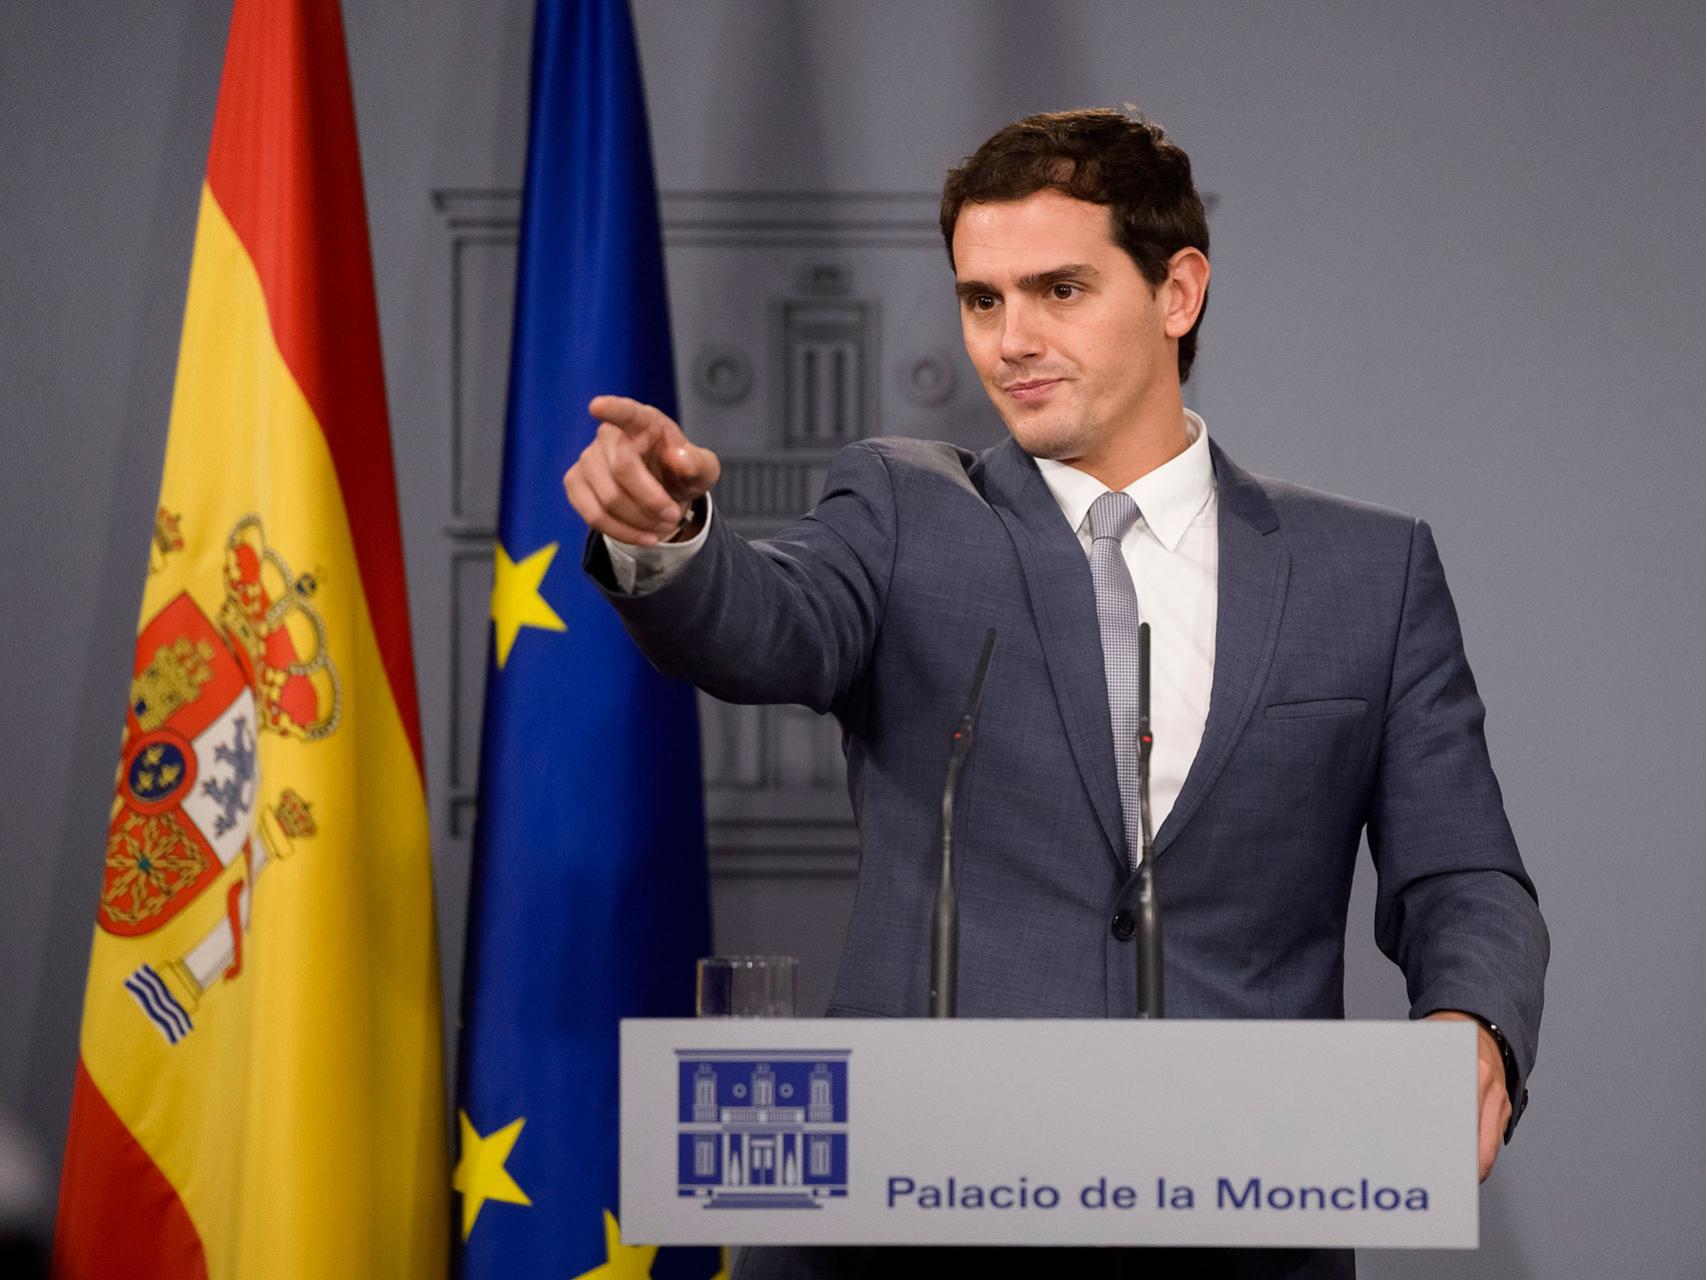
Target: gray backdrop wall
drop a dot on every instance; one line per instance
(1460, 268)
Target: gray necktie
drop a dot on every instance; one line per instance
(1116, 612)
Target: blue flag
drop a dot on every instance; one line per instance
(588, 902)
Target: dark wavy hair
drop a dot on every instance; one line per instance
(1106, 157)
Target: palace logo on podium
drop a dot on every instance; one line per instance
(763, 1130)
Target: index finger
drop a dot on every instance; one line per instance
(632, 417)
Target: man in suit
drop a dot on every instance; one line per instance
(1309, 676)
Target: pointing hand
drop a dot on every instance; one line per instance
(638, 479)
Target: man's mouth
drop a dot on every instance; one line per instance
(1031, 388)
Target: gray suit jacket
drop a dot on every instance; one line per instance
(1342, 701)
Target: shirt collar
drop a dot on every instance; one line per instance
(1169, 496)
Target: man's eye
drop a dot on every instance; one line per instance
(1063, 292)
(982, 302)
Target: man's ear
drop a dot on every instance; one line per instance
(1184, 290)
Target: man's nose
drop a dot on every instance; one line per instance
(1020, 338)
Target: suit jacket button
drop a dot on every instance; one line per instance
(1124, 926)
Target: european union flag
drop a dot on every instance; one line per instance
(588, 901)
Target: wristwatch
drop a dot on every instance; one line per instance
(1513, 1076)
(692, 521)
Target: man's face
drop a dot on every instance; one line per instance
(1066, 334)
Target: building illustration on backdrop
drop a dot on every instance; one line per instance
(764, 1130)
(803, 322)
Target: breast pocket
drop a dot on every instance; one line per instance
(1325, 749)
(1316, 707)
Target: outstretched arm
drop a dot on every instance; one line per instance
(789, 619)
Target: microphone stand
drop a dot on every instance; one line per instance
(1148, 909)
(945, 922)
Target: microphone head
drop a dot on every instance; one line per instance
(963, 730)
(982, 670)
(1143, 681)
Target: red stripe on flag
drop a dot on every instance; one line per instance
(285, 168)
(107, 1173)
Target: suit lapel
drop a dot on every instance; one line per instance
(1063, 602)
(1254, 567)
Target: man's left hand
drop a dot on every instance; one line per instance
(1495, 1098)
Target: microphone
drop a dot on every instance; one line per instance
(1147, 908)
(945, 924)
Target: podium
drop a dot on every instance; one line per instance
(1049, 1132)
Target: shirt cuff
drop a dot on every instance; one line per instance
(641, 570)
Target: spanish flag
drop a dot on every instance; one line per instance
(259, 1090)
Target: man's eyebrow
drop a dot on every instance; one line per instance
(1033, 283)
(1054, 275)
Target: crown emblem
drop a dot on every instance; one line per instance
(294, 816)
(278, 636)
(168, 537)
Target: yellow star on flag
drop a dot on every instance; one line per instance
(516, 602)
(621, 1261)
(480, 1174)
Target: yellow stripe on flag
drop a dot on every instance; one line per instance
(300, 1115)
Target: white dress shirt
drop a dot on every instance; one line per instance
(1173, 552)
(639, 570)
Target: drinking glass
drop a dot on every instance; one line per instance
(745, 987)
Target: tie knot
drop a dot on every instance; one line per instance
(1111, 515)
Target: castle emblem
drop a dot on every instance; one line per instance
(762, 1131)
